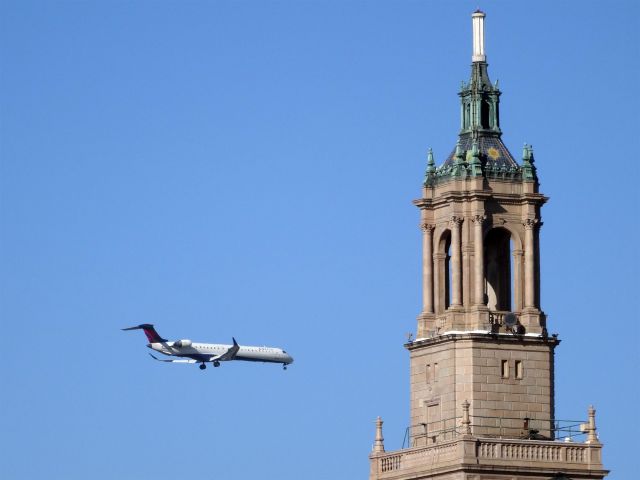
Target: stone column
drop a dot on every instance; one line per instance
(529, 264)
(439, 282)
(517, 280)
(427, 268)
(456, 262)
(478, 254)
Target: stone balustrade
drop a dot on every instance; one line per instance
(486, 452)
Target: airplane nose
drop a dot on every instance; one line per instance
(289, 359)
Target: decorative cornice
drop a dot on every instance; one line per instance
(487, 337)
(445, 198)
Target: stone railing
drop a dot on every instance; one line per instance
(487, 452)
(525, 450)
(416, 457)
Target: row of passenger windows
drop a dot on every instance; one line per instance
(258, 349)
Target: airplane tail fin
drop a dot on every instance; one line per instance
(149, 331)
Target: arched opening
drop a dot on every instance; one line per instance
(443, 272)
(484, 114)
(448, 273)
(499, 270)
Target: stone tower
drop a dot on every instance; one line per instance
(482, 362)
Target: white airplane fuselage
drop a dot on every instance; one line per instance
(207, 351)
(203, 353)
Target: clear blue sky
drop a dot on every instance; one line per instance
(247, 168)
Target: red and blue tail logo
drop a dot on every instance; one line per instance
(149, 331)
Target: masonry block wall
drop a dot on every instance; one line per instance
(507, 380)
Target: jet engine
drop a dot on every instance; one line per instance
(182, 344)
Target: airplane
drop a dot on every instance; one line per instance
(210, 352)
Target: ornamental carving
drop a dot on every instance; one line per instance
(478, 219)
(427, 227)
(530, 223)
(455, 221)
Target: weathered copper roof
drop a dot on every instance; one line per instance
(492, 151)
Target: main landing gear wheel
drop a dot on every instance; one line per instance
(284, 366)
(203, 366)
(216, 364)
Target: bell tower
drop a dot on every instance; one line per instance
(482, 362)
(480, 213)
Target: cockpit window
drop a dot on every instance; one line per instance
(284, 351)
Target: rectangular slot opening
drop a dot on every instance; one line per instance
(505, 368)
(519, 369)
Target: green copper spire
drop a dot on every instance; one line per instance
(480, 151)
(480, 99)
(480, 103)
(480, 119)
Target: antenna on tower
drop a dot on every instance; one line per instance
(477, 19)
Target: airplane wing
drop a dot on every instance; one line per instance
(173, 361)
(229, 354)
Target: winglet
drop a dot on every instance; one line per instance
(234, 341)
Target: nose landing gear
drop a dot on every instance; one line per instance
(284, 366)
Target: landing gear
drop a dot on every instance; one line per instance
(284, 366)
(203, 366)
(216, 364)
